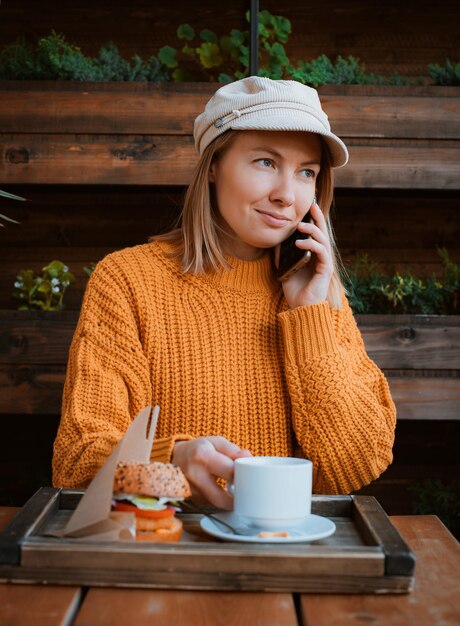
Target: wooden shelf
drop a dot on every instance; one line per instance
(141, 133)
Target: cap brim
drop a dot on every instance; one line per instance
(337, 148)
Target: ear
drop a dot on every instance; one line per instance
(212, 174)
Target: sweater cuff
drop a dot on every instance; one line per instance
(308, 332)
(162, 449)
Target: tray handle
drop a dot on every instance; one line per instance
(34, 512)
(377, 528)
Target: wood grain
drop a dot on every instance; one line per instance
(88, 134)
(97, 159)
(125, 607)
(170, 108)
(146, 159)
(436, 596)
(426, 398)
(352, 560)
(416, 342)
(31, 605)
(35, 605)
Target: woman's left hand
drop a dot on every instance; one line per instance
(310, 284)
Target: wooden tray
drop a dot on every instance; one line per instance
(365, 555)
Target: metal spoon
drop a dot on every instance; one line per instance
(214, 518)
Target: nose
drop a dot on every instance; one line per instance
(282, 191)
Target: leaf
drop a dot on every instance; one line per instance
(208, 36)
(182, 75)
(224, 78)
(226, 44)
(168, 56)
(237, 37)
(185, 31)
(55, 268)
(44, 287)
(11, 196)
(210, 55)
(188, 51)
(244, 56)
(7, 219)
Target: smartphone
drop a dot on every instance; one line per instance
(291, 257)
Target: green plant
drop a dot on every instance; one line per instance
(409, 294)
(372, 291)
(90, 269)
(361, 282)
(451, 280)
(447, 75)
(46, 291)
(11, 196)
(345, 71)
(433, 497)
(57, 59)
(210, 57)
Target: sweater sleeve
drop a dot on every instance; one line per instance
(343, 415)
(107, 381)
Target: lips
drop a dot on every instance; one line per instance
(274, 219)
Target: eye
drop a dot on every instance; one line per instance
(308, 173)
(265, 162)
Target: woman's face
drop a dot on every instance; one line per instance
(265, 184)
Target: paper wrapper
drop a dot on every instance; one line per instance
(93, 520)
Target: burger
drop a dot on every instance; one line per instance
(152, 491)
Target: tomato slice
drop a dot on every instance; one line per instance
(130, 508)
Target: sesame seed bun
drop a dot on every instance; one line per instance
(151, 479)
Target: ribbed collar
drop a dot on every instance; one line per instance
(245, 276)
(242, 276)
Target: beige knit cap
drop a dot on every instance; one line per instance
(257, 103)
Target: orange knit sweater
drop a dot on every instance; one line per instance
(221, 354)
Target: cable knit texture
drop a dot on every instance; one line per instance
(221, 354)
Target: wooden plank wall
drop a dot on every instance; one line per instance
(388, 36)
(86, 133)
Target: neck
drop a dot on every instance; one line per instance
(233, 247)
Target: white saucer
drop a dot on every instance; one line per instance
(315, 527)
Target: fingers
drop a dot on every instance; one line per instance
(224, 446)
(244, 453)
(203, 460)
(319, 242)
(206, 486)
(317, 229)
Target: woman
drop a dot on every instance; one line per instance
(197, 322)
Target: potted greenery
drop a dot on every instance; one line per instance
(35, 340)
(411, 327)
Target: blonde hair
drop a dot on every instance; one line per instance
(196, 240)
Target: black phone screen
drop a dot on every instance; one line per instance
(292, 257)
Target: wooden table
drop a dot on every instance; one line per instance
(435, 600)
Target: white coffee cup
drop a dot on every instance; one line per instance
(272, 492)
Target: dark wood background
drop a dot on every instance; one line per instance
(81, 223)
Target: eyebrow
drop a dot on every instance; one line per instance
(277, 154)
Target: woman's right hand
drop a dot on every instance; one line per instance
(203, 460)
